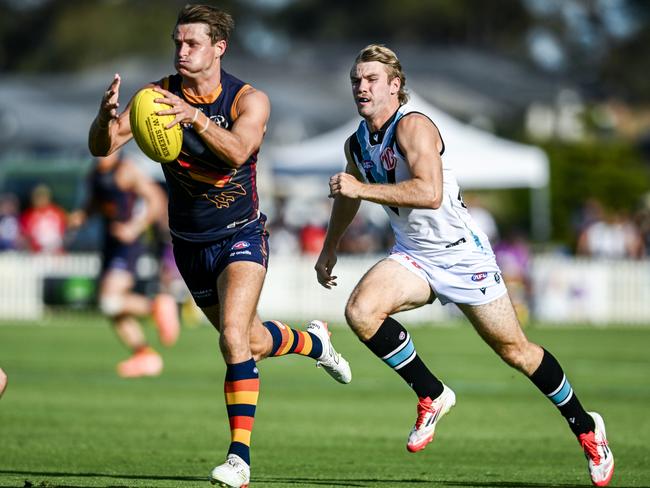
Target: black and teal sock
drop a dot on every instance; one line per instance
(392, 343)
(551, 380)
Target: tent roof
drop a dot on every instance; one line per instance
(480, 159)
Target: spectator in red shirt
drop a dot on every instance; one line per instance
(43, 223)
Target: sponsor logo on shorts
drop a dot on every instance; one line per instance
(240, 245)
(479, 276)
(402, 335)
(497, 277)
(239, 253)
(201, 293)
(460, 241)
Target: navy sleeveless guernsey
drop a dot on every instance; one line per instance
(208, 199)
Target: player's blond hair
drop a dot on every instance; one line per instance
(220, 23)
(380, 53)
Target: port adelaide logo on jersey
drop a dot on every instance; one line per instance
(388, 159)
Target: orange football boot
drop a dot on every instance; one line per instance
(145, 362)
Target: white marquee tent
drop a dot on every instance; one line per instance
(481, 161)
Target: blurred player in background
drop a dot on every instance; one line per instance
(394, 159)
(3, 381)
(218, 231)
(116, 187)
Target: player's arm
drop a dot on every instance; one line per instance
(420, 141)
(343, 211)
(79, 216)
(110, 129)
(235, 145)
(131, 178)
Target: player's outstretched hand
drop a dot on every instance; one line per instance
(110, 102)
(324, 266)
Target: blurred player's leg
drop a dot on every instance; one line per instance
(121, 305)
(3, 381)
(165, 314)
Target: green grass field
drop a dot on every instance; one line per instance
(66, 420)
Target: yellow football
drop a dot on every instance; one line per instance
(160, 144)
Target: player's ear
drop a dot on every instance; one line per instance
(220, 47)
(395, 85)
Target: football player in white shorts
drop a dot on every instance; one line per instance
(394, 159)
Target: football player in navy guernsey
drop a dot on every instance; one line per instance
(395, 160)
(116, 190)
(218, 231)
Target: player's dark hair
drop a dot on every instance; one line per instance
(380, 53)
(220, 23)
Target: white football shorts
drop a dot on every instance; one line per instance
(473, 280)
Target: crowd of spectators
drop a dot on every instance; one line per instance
(39, 225)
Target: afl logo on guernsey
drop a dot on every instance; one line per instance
(367, 164)
(388, 159)
(240, 245)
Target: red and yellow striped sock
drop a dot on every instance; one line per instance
(293, 341)
(241, 389)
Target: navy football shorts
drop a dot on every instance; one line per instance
(200, 264)
(120, 255)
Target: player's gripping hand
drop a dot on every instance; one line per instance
(183, 112)
(324, 266)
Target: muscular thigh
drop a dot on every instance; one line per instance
(388, 287)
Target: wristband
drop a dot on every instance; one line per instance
(207, 123)
(196, 114)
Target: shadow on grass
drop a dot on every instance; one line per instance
(361, 482)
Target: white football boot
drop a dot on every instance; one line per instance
(599, 456)
(331, 361)
(234, 473)
(429, 413)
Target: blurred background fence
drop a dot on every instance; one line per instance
(564, 290)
